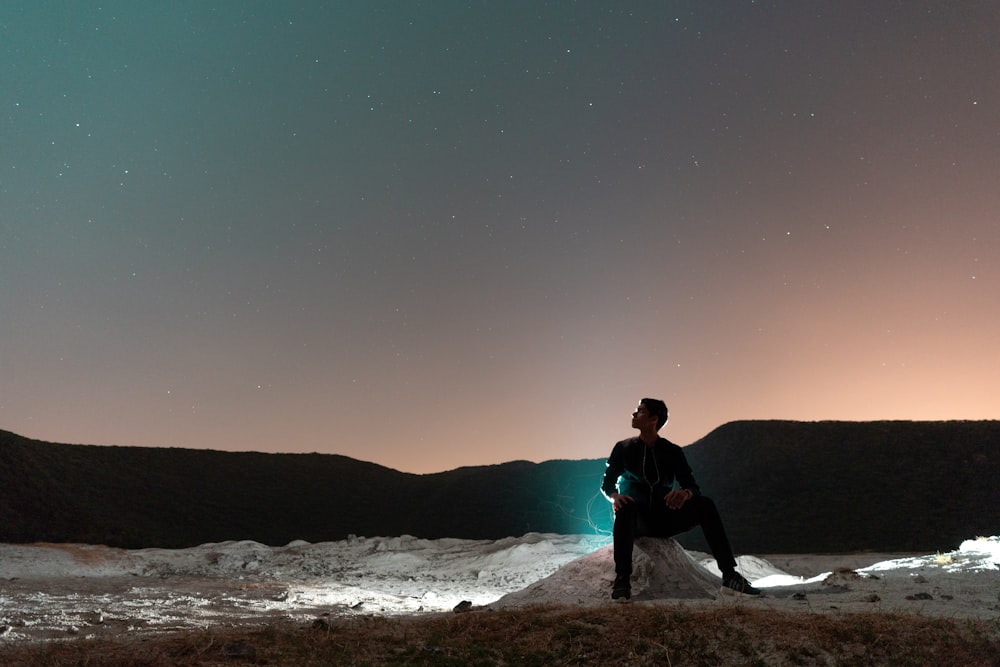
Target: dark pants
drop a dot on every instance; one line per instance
(635, 520)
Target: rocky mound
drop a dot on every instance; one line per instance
(662, 569)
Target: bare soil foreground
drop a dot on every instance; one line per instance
(540, 599)
(636, 634)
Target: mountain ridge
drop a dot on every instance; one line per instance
(781, 486)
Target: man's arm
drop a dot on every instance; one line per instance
(688, 488)
(616, 465)
(683, 473)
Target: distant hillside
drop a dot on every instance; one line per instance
(781, 486)
(141, 496)
(848, 486)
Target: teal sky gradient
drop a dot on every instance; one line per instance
(434, 234)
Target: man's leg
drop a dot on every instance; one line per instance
(701, 511)
(705, 514)
(624, 539)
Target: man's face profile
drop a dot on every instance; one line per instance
(642, 418)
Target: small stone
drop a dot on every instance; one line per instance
(841, 576)
(462, 606)
(920, 596)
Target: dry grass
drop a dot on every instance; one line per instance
(629, 634)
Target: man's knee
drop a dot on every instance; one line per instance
(627, 510)
(702, 509)
(625, 514)
(703, 503)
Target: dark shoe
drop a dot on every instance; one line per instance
(622, 589)
(734, 581)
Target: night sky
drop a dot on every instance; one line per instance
(446, 233)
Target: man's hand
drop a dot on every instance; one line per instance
(619, 501)
(676, 498)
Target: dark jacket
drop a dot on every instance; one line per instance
(647, 473)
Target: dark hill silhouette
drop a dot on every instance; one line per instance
(781, 486)
(848, 486)
(140, 496)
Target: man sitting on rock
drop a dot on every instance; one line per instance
(639, 482)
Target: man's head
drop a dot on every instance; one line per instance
(657, 408)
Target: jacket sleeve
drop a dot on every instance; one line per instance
(684, 475)
(616, 465)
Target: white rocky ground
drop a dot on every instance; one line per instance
(52, 591)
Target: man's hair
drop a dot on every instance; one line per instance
(658, 408)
